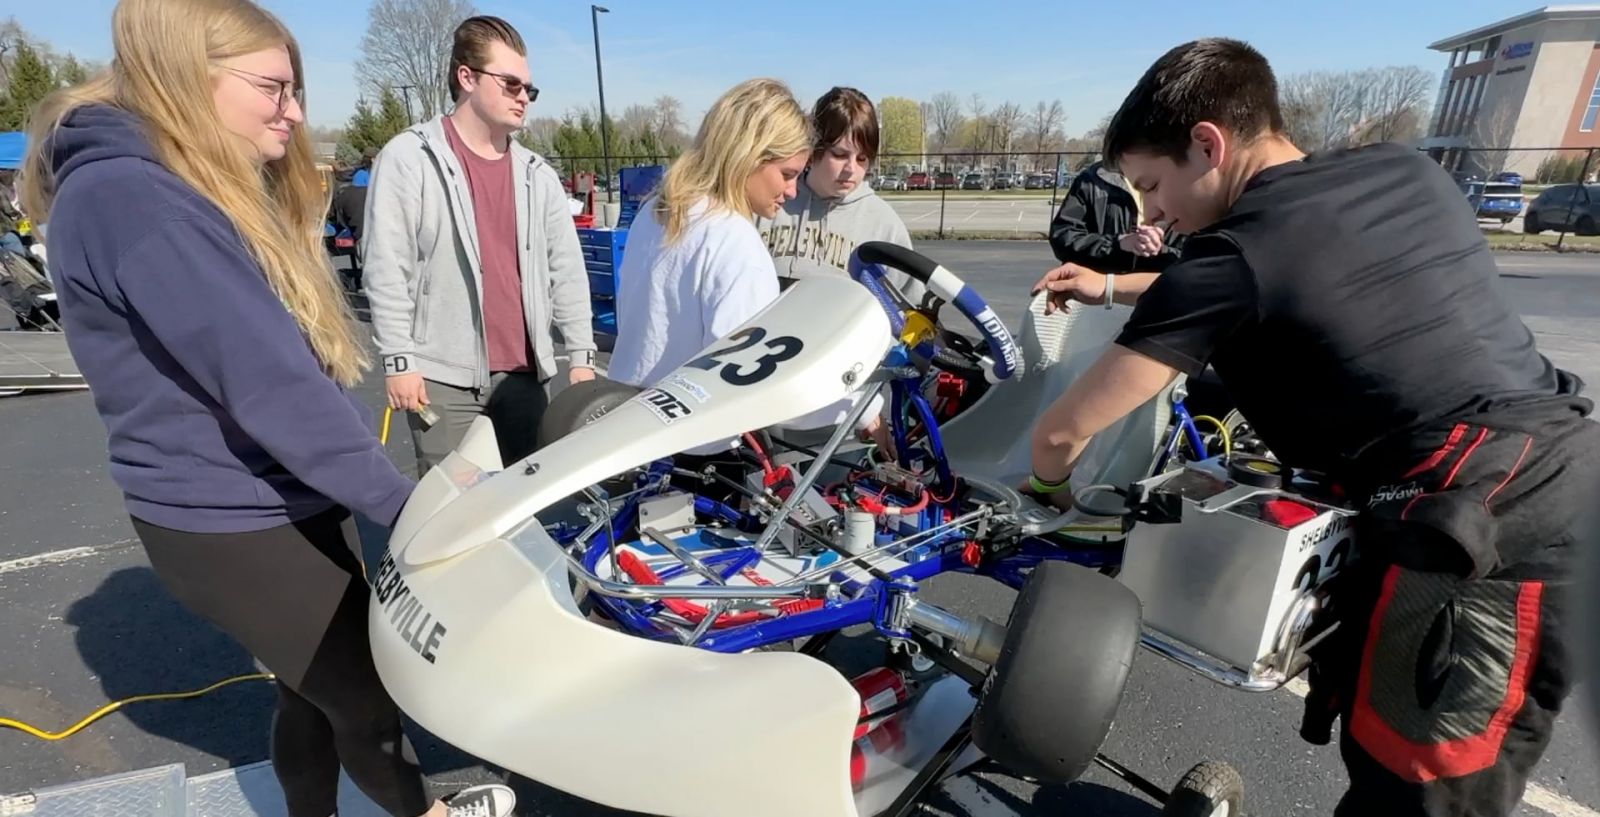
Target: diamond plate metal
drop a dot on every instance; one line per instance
(253, 791)
(155, 792)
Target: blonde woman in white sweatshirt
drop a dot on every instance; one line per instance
(696, 267)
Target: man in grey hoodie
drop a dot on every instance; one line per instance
(472, 258)
(836, 209)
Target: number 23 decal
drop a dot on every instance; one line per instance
(782, 348)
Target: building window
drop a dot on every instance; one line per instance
(1593, 110)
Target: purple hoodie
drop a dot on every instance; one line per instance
(220, 417)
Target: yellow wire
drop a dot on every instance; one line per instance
(383, 436)
(1227, 439)
(116, 705)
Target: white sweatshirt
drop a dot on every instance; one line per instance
(675, 301)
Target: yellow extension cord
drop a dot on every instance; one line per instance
(388, 413)
(116, 705)
(1227, 438)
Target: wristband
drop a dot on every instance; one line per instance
(1111, 288)
(1039, 486)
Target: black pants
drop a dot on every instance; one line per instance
(1455, 659)
(294, 596)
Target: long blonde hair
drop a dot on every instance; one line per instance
(162, 71)
(755, 122)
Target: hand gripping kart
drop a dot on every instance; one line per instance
(649, 636)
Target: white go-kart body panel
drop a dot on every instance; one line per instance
(476, 634)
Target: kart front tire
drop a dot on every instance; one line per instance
(1210, 789)
(581, 404)
(1049, 701)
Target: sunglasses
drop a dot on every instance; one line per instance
(283, 91)
(511, 84)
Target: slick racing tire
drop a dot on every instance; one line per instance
(581, 404)
(1050, 699)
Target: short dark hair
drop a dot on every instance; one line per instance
(845, 112)
(470, 46)
(1217, 80)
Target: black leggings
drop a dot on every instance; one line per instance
(294, 596)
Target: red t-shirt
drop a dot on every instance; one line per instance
(494, 210)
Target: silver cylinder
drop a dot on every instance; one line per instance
(977, 638)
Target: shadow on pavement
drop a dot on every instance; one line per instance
(138, 640)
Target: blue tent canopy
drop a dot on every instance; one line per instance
(12, 146)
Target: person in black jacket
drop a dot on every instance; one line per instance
(1098, 227)
(348, 210)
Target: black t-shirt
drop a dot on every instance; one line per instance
(1348, 301)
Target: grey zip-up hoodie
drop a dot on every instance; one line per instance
(812, 235)
(422, 271)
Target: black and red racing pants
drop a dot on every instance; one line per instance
(1452, 661)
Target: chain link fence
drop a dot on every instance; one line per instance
(1520, 195)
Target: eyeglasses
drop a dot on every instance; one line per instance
(285, 88)
(512, 85)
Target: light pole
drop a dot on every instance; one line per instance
(605, 141)
(405, 90)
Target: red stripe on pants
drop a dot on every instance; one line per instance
(1426, 762)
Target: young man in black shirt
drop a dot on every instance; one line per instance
(1348, 302)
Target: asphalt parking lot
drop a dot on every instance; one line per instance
(87, 622)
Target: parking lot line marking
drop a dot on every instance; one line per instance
(56, 557)
(1555, 804)
(1541, 798)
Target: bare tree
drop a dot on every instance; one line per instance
(1044, 128)
(1007, 121)
(1327, 109)
(669, 122)
(407, 45)
(636, 119)
(539, 134)
(946, 119)
(1400, 105)
(1494, 133)
(979, 120)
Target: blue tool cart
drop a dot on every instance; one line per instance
(602, 248)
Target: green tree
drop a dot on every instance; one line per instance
(372, 129)
(30, 80)
(72, 72)
(902, 128)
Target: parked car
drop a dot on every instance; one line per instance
(1002, 181)
(919, 181)
(1037, 181)
(1494, 200)
(1507, 177)
(1565, 207)
(945, 181)
(889, 183)
(973, 181)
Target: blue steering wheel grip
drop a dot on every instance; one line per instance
(866, 267)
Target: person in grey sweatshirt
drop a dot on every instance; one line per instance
(471, 259)
(836, 210)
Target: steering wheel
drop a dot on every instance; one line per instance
(867, 268)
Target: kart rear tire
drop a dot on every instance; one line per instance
(1050, 699)
(579, 405)
(1210, 789)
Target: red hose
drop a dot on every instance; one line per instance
(767, 470)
